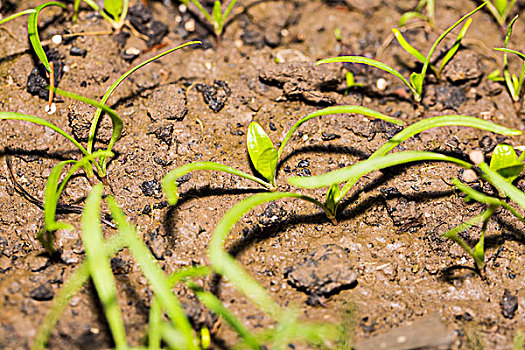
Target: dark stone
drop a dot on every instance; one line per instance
(509, 304)
(487, 143)
(272, 127)
(119, 266)
(304, 163)
(252, 38)
(151, 188)
(129, 55)
(215, 95)
(142, 19)
(272, 214)
(164, 133)
(42, 293)
(329, 136)
(121, 38)
(37, 80)
(77, 51)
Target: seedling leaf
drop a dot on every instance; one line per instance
(505, 161)
(99, 266)
(409, 15)
(21, 13)
(114, 8)
(371, 164)
(169, 182)
(373, 63)
(502, 184)
(452, 51)
(32, 29)
(408, 48)
(262, 152)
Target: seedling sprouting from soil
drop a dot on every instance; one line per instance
(514, 83)
(114, 11)
(500, 9)
(416, 79)
(418, 13)
(505, 162)
(263, 154)
(218, 17)
(380, 159)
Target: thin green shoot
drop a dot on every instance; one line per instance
(371, 164)
(77, 280)
(32, 29)
(417, 13)
(114, 11)
(478, 253)
(99, 265)
(154, 275)
(217, 18)
(16, 15)
(112, 88)
(350, 82)
(503, 185)
(416, 79)
(514, 84)
(52, 196)
(500, 9)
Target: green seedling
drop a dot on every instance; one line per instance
(218, 17)
(263, 154)
(352, 174)
(350, 82)
(506, 163)
(416, 79)
(114, 11)
(494, 177)
(500, 9)
(88, 167)
(514, 84)
(418, 13)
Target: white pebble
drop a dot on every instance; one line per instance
(51, 110)
(381, 84)
(183, 8)
(190, 25)
(57, 39)
(476, 156)
(469, 176)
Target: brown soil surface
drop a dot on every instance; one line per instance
(399, 269)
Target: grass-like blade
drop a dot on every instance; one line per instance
(154, 275)
(115, 120)
(407, 46)
(53, 191)
(351, 109)
(429, 123)
(99, 265)
(77, 279)
(455, 47)
(502, 184)
(373, 63)
(223, 263)
(32, 29)
(169, 182)
(111, 89)
(409, 15)
(367, 166)
(16, 15)
(214, 304)
(43, 122)
(426, 65)
(519, 54)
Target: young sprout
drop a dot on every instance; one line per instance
(514, 83)
(500, 9)
(417, 13)
(217, 18)
(416, 79)
(506, 163)
(263, 154)
(114, 11)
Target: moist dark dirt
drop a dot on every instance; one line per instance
(393, 267)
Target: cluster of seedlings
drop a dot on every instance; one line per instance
(168, 323)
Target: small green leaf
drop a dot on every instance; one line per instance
(408, 48)
(501, 6)
(32, 29)
(479, 252)
(331, 198)
(452, 51)
(495, 75)
(217, 14)
(262, 152)
(114, 8)
(409, 15)
(416, 79)
(505, 161)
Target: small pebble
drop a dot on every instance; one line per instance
(50, 110)
(190, 25)
(183, 8)
(77, 51)
(381, 84)
(476, 156)
(56, 39)
(130, 54)
(469, 176)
